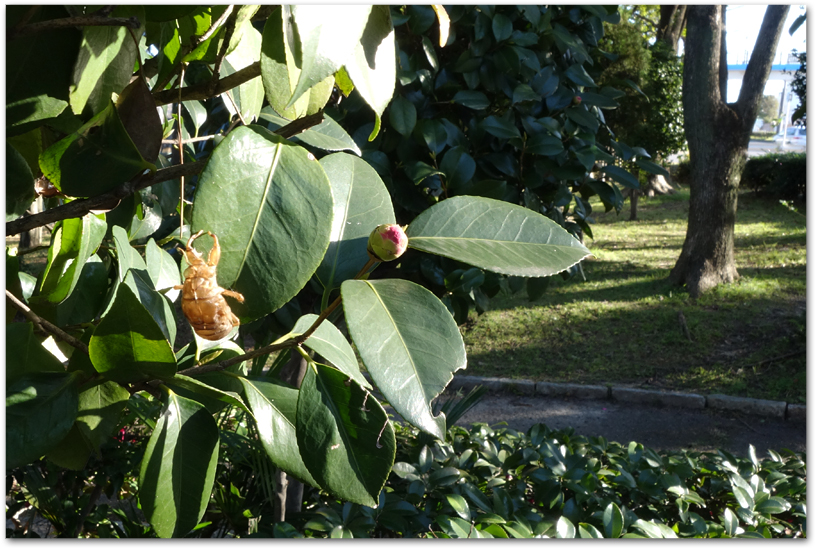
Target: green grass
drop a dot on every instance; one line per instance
(621, 325)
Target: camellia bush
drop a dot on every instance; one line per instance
(98, 356)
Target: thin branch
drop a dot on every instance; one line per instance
(191, 140)
(108, 200)
(92, 20)
(204, 90)
(216, 25)
(32, 11)
(45, 325)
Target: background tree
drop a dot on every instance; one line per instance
(718, 134)
(768, 108)
(799, 88)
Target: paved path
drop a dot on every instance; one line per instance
(660, 428)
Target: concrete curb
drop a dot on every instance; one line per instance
(749, 406)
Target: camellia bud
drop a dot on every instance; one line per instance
(387, 242)
(577, 100)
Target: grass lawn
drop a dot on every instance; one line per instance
(622, 324)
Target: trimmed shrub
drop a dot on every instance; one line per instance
(502, 483)
(777, 175)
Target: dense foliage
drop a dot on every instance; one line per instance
(778, 175)
(799, 88)
(484, 482)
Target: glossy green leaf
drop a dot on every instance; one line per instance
(772, 505)
(433, 134)
(25, 353)
(731, 522)
(612, 521)
(19, 184)
(587, 530)
(372, 68)
(583, 117)
(155, 303)
(458, 167)
(564, 528)
(598, 100)
(344, 435)
(275, 408)
(402, 115)
(621, 176)
(162, 269)
(100, 407)
(454, 527)
(328, 135)
(96, 158)
(496, 236)
(40, 410)
(72, 244)
(280, 69)
(499, 127)
(471, 99)
(361, 203)
(524, 92)
(128, 345)
(249, 95)
(651, 530)
(271, 207)
(501, 27)
(577, 74)
(408, 342)
(459, 505)
(326, 46)
(545, 145)
(72, 452)
(651, 167)
(331, 344)
(185, 385)
(178, 468)
(105, 62)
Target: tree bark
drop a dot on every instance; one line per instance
(671, 22)
(718, 135)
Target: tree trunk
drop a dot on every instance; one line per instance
(718, 135)
(635, 198)
(671, 22)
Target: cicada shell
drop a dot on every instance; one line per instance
(202, 299)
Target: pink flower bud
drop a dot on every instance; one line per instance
(387, 242)
(577, 100)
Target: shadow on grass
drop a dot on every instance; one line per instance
(596, 342)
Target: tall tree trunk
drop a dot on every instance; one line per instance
(671, 22)
(718, 135)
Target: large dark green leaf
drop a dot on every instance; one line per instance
(19, 184)
(402, 115)
(496, 236)
(328, 135)
(280, 69)
(344, 435)
(545, 145)
(275, 409)
(328, 342)
(577, 74)
(100, 407)
(162, 269)
(155, 303)
(105, 62)
(128, 345)
(408, 342)
(458, 167)
(40, 410)
(372, 67)
(249, 95)
(361, 203)
(471, 99)
(196, 389)
(178, 468)
(500, 128)
(25, 353)
(271, 207)
(72, 245)
(621, 176)
(326, 46)
(96, 158)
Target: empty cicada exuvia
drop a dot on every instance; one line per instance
(202, 299)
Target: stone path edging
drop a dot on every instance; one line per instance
(750, 406)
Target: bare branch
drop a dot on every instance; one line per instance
(205, 90)
(45, 325)
(92, 20)
(108, 200)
